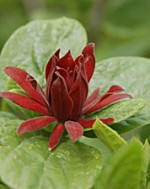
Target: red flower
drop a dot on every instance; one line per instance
(66, 98)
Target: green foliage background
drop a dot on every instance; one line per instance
(118, 27)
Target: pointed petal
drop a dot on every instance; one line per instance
(61, 101)
(108, 101)
(67, 61)
(50, 66)
(82, 67)
(90, 105)
(88, 123)
(74, 129)
(107, 120)
(25, 102)
(56, 135)
(50, 69)
(79, 59)
(89, 60)
(115, 88)
(111, 90)
(35, 123)
(78, 94)
(21, 77)
(91, 101)
(92, 97)
(40, 91)
(64, 73)
(57, 53)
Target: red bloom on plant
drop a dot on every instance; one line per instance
(65, 99)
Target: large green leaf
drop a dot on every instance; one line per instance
(26, 162)
(99, 145)
(5, 116)
(108, 136)
(9, 138)
(124, 169)
(133, 122)
(148, 177)
(32, 45)
(145, 167)
(131, 73)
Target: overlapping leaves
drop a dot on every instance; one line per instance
(26, 163)
(37, 41)
(127, 168)
(132, 74)
(73, 165)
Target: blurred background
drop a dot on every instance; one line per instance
(118, 27)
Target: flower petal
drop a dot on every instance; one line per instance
(65, 74)
(50, 64)
(113, 89)
(21, 77)
(92, 97)
(88, 123)
(35, 123)
(90, 105)
(79, 59)
(40, 91)
(74, 129)
(66, 61)
(50, 69)
(89, 60)
(25, 102)
(56, 135)
(107, 120)
(61, 101)
(78, 94)
(107, 101)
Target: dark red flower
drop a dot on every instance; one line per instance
(66, 94)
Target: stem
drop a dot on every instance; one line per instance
(96, 20)
(32, 5)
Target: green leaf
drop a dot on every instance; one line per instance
(124, 169)
(9, 138)
(99, 145)
(37, 41)
(148, 177)
(26, 162)
(146, 163)
(138, 120)
(5, 116)
(132, 74)
(108, 136)
(17, 110)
